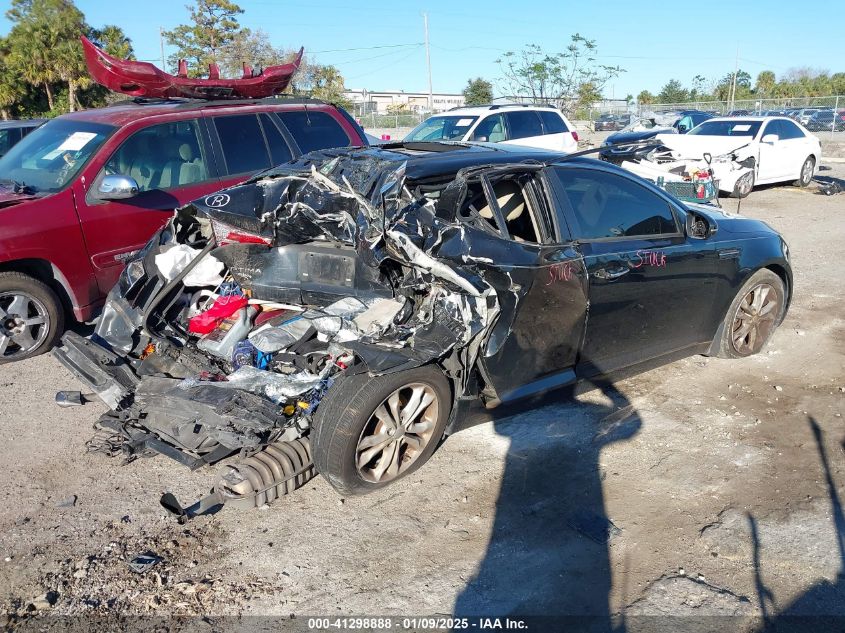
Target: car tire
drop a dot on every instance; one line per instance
(31, 317)
(744, 186)
(357, 449)
(805, 176)
(741, 334)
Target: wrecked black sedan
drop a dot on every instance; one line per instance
(339, 314)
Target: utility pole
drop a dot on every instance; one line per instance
(733, 83)
(428, 63)
(161, 46)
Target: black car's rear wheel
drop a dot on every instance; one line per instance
(753, 316)
(372, 430)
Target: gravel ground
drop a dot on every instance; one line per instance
(723, 480)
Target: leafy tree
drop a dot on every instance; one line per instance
(645, 98)
(214, 27)
(113, 41)
(478, 91)
(254, 49)
(326, 83)
(673, 92)
(556, 77)
(765, 84)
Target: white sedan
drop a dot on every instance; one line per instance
(782, 150)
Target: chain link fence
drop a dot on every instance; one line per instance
(782, 106)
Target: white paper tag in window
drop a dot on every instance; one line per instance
(463, 122)
(76, 141)
(741, 128)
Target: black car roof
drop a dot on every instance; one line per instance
(426, 160)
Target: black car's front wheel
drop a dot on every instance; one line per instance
(371, 430)
(753, 316)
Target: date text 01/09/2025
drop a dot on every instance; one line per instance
(416, 623)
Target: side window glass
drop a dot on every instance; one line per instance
(552, 122)
(790, 130)
(279, 150)
(491, 129)
(523, 124)
(606, 205)
(516, 206)
(162, 156)
(314, 130)
(242, 142)
(6, 141)
(773, 127)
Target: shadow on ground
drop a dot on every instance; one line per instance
(822, 607)
(548, 551)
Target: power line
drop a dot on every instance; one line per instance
(364, 48)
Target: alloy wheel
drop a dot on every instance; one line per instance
(807, 172)
(755, 319)
(397, 433)
(745, 184)
(24, 324)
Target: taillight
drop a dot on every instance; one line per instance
(225, 234)
(575, 136)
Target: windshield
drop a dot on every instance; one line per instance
(442, 128)
(727, 128)
(639, 125)
(48, 159)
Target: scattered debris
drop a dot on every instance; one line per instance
(143, 563)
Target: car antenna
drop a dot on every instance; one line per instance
(307, 116)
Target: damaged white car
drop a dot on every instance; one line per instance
(739, 152)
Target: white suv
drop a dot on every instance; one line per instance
(543, 127)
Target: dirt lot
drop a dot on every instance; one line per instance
(724, 479)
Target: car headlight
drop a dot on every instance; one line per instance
(132, 274)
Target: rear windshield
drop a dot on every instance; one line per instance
(727, 128)
(442, 128)
(49, 158)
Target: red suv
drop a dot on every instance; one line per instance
(86, 190)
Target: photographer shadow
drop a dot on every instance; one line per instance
(547, 559)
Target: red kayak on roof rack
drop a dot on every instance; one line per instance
(142, 79)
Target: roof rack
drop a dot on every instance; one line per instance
(183, 102)
(497, 106)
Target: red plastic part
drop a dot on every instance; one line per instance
(143, 79)
(223, 307)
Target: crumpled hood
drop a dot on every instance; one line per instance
(695, 146)
(641, 135)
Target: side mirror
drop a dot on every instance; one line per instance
(682, 129)
(698, 226)
(770, 139)
(117, 187)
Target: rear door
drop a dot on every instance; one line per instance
(774, 161)
(170, 162)
(540, 281)
(651, 288)
(526, 128)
